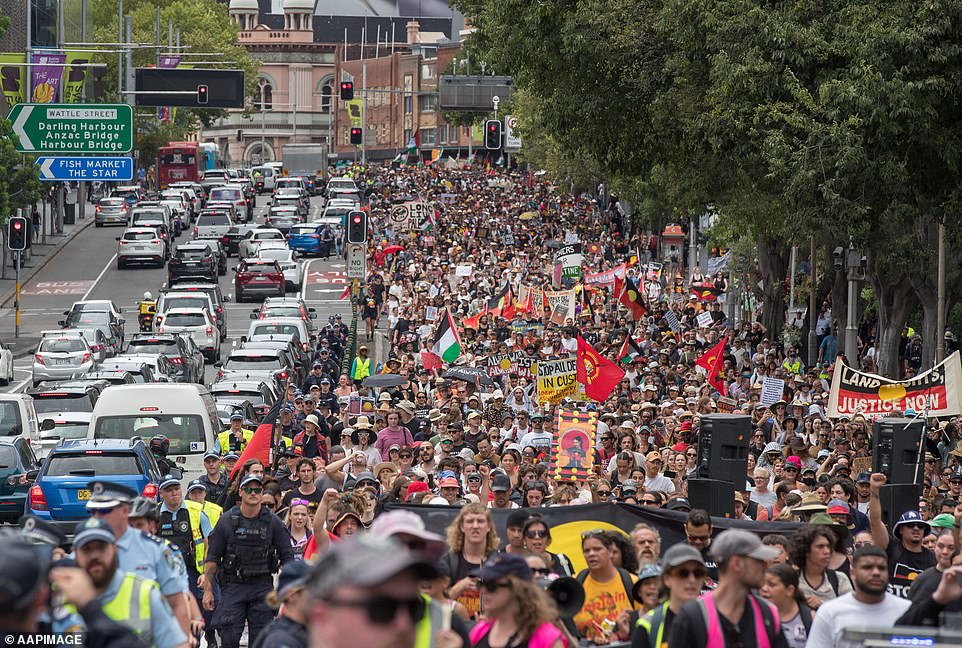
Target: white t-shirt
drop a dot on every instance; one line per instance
(844, 612)
(659, 483)
(539, 440)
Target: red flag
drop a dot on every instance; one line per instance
(346, 293)
(598, 374)
(619, 288)
(259, 447)
(472, 322)
(631, 298)
(712, 362)
(430, 361)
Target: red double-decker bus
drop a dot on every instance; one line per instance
(179, 162)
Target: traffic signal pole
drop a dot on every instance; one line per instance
(16, 296)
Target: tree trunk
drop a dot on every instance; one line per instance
(773, 261)
(928, 296)
(896, 299)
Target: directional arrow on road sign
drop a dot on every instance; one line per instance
(119, 169)
(73, 128)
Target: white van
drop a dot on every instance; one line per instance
(184, 413)
(18, 418)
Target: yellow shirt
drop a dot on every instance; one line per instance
(602, 601)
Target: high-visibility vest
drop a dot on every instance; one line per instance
(130, 606)
(716, 636)
(224, 439)
(194, 509)
(654, 625)
(362, 368)
(428, 624)
(213, 512)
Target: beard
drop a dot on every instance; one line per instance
(103, 574)
(871, 589)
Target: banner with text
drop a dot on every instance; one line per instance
(938, 390)
(557, 380)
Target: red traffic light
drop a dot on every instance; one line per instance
(357, 220)
(492, 128)
(17, 225)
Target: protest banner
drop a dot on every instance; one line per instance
(936, 392)
(526, 366)
(500, 364)
(772, 390)
(572, 449)
(557, 379)
(570, 258)
(565, 297)
(604, 279)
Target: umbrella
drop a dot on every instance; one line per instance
(382, 381)
(473, 375)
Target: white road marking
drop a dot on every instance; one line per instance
(305, 271)
(99, 277)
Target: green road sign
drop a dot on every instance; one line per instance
(73, 128)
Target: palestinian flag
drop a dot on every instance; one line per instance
(447, 345)
(630, 351)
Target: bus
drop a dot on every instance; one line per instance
(179, 162)
(212, 157)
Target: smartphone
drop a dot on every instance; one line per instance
(670, 474)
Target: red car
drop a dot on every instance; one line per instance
(258, 277)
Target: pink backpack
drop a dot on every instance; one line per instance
(544, 637)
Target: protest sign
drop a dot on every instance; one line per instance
(772, 390)
(557, 380)
(572, 455)
(704, 319)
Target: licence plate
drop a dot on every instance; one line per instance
(83, 495)
(260, 278)
(139, 247)
(63, 361)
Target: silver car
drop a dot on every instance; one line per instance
(197, 324)
(110, 211)
(141, 245)
(99, 346)
(212, 223)
(62, 355)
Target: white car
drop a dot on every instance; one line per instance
(175, 300)
(248, 246)
(198, 325)
(141, 245)
(64, 425)
(288, 261)
(6, 364)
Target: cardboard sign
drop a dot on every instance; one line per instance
(557, 380)
(463, 270)
(772, 390)
(704, 319)
(565, 297)
(431, 313)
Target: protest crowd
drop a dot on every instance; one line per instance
(509, 454)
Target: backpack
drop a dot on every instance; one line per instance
(832, 577)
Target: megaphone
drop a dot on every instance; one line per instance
(568, 595)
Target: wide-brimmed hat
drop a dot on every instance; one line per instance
(811, 503)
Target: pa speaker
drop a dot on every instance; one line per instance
(896, 449)
(723, 447)
(896, 499)
(716, 497)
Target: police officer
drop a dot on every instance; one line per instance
(290, 629)
(236, 437)
(215, 481)
(128, 598)
(197, 492)
(140, 553)
(248, 546)
(184, 524)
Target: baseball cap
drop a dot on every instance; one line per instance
(654, 455)
(210, 454)
(736, 542)
(237, 416)
(194, 485)
(92, 529)
(943, 521)
(406, 523)
(107, 495)
(678, 504)
(366, 560)
(679, 554)
(864, 478)
(293, 574)
(501, 565)
(231, 455)
(449, 482)
(500, 483)
(250, 479)
(629, 486)
(168, 480)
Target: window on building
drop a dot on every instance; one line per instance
(408, 105)
(427, 71)
(429, 103)
(265, 98)
(346, 137)
(326, 93)
(428, 136)
(384, 133)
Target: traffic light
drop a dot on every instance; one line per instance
(18, 233)
(357, 227)
(492, 135)
(202, 97)
(347, 90)
(356, 135)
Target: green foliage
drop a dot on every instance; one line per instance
(20, 181)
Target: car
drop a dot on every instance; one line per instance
(292, 182)
(286, 327)
(112, 376)
(212, 290)
(18, 468)
(220, 253)
(305, 238)
(292, 198)
(180, 217)
(142, 245)
(248, 245)
(53, 398)
(287, 307)
(297, 357)
(160, 366)
(97, 306)
(140, 371)
(219, 175)
(18, 417)
(235, 195)
(62, 355)
(195, 299)
(61, 492)
(6, 364)
(283, 217)
(336, 213)
(288, 261)
(69, 425)
(234, 236)
(271, 365)
(227, 405)
(194, 260)
(162, 230)
(185, 359)
(132, 194)
(261, 394)
(110, 211)
(105, 320)
(197, 324)
(264, 178)
(258, 277)
(151, 212)
(341, 183)
(212, 223)
(190, 193)
(99, 345)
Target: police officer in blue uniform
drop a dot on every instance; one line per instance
(140, 553)
(248, 546)
(214, 479)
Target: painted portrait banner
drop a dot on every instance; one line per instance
(572, 455)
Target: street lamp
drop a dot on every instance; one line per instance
(262, 84)
(854, 265)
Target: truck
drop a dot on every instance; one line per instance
(308, 161)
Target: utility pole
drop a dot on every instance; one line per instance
(940, 307)
(363, 113)
(812, 311)
(82, 185)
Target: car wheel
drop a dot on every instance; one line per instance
(98, 224)
(120, 264)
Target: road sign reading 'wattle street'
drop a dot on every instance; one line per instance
(117, 169)
(73, 128)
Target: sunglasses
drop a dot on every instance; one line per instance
(97, 512)
(537, 571)
(381, 610)
(604, 493)
(253, 491)
(531, 533)
(405, 455)
(916, 525)
(649, 502)
(494, 586)
(685, 572)
(300, 502)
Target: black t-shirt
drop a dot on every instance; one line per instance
(688, 628)
(314, 499)
(905, 566)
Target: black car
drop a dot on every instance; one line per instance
(186, 363)
(194, 260)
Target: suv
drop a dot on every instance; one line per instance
(18, 467)
(106, 320)
(233, 194)
(212, 224)
(259, 277)
(141, 245)
(60, 493)
(194, 299)
(185, 359)
(217, 298)
(62, 355)
(195, 260)
(247, 247)
(198, 325)
(53, 398)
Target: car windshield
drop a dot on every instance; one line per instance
(88, 318)
(153, 345)
(140, 236)
(10, 422)
(191, 254)
(260, 362)
(172, 303)
(93, 463)
(275, 329)
(185, 432)
(213, 219)
(148, 216)
(256, 398)
(61, 402)
(66, 430)
(225, 194)
(260, 268)
(185, 319)
(284, 311)
(62, 345)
